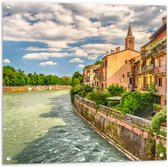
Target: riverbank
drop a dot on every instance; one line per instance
(34, 88)
(127, 132)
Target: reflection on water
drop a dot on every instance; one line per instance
(41, 127)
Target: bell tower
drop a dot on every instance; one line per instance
(129, 40)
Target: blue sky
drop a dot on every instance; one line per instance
(60, 39)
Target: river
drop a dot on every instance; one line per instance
(41, 127)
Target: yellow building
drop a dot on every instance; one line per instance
(153, 64)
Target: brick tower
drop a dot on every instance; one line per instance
(129, 40)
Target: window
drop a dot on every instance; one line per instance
(155, 80)
(130, 81)
(160, 63)
(123, 75)
(144, 63)
(150, 79)
(125, 61)
(145, 81)
(106, 63)
(160, 82)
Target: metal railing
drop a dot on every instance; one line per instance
(155, 51)
(145, 87)
(161, 69)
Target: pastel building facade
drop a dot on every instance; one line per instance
(89, 75)
(116, 66)
(152, 65)
(136, 71)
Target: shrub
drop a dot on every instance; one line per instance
(157, 107)
(81, 90)
(75, 82)
(85, 89)
(157, 120)
(98, 96)
(135, 103)
(129, 106)
(116, 90)
(152, 88)
(74, 91)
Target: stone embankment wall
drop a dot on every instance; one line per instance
(34, 88)
(129, 133)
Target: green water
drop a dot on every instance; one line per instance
(41, 127)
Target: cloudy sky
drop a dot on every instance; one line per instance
(57, 38)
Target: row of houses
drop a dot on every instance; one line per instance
(134, 70)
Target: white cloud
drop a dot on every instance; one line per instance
(80, 66)
(7, 61)
(47, 63)
(111, 23)
(76, 60)
(49, 49)
(44, 55)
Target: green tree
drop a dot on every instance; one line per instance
(12, 77)
(97, 62)
(76, 78)
(116, 90)
(75, 82)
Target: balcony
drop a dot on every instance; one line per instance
(144, 69)
(161, 69)
(148, 69)
(137, 71)
(147, 54)
(145, 87)
(151, 68)
(155, 50)
(130, 74)
(160, 49)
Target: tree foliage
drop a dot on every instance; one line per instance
(135, 103)
(85, 89)
(157, 120)
(97, 62)
(13, 77)
(116, 90)
(77, 78)
(99, 96)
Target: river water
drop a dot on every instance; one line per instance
(41, 127)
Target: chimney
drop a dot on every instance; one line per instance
(117, 49)
(164, 20)
(112, 51)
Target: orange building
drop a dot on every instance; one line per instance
(116, 64)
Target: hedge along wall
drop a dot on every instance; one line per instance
(128, 132)
(33, 88)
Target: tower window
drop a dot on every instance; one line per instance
(125, 61)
